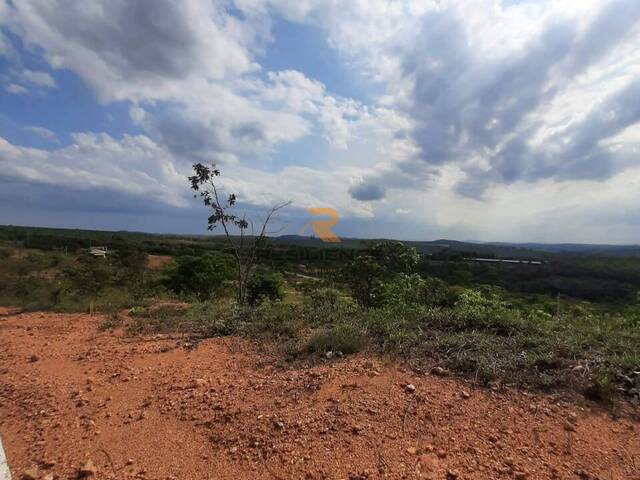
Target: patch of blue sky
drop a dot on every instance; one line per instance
(69, 107)
(304, 47)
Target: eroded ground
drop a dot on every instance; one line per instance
(154, 408)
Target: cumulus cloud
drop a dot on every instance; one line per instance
(492, 107)
(133, 165)
(135, 50)
(471, 101)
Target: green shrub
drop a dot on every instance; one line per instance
(394, 327)
(367, 273)
(204, 277)
(487, 312)
(264, 284)
(324, 298)
(345, 338)
(276, 319)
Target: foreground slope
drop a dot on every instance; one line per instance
(159, 408)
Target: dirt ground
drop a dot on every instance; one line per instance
(156, 262)
(74, 398)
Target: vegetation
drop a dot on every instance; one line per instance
(244, 250)
(458, 316)
(204, 277)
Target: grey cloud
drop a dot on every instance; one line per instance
(461, 102)
(466, 106)
(612, 25)
(367, 192)
(249, 131)
(577, 154)
(133, 49)
(188, 139)
(204, 139)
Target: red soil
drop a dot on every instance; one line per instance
(149, 408)
(155, 262)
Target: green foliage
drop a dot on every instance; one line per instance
(343, 338)
(265, 284)
(486, 312)
(414, 290)
(204, 277)
(90, 276)
(131, 265)
(367, 273)
(275, 319)
(324, 298)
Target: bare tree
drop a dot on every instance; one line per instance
(244, 246)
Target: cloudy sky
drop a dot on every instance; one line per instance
(514, 120)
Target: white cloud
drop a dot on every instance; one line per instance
(40, 79)
(491, 116)
(135, 50)
(16, 89)
(134, 165)
(43, 133)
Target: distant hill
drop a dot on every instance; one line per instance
(498, 249)
(46, 237)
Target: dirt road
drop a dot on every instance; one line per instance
(73, 398)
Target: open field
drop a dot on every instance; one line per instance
(158, 407)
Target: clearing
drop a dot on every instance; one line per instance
(74, 398)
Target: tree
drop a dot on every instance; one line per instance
(132, 269)
(367, 273)
(264, 284)
(244, 246)
(203, 276)
(90, 277)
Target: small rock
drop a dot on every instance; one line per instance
(465, 394)
(87, 470)
(30, 474)
(439, 371)
(329, 355)
(412, 450)
(34, 358)
(410, 387)
(198, 383)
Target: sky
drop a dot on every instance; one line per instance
(486, 120)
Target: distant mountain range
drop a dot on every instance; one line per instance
(499, 249)
(530, 250)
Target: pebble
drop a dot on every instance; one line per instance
(410, 387)
(88, 469)
(30, 474)
(439, 371)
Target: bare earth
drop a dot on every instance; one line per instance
(151, 408)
